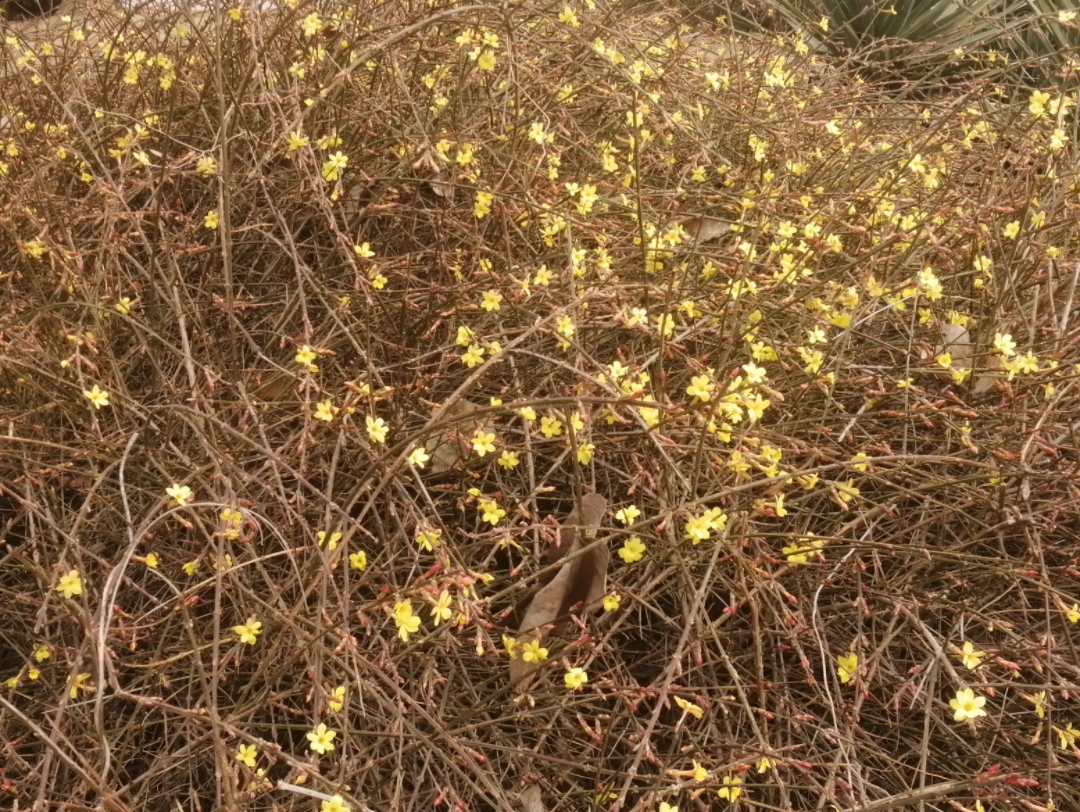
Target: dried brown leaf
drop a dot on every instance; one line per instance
(703, 228)
(531, 800)
(581, 579)
(450, 446)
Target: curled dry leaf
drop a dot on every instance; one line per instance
(440, 185)
(531, 800)
(276, 385)
(438, 181)
(956, 340)
(581, 579)
(453, 443)
(703, 228)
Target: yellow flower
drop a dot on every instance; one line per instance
(763, 352)
(694, 710)
(611, 602)
(124, 305)
(152, 560)
(1073, 614)
(492, 300)
(335, 804)
(334, 539)
(765, 764)
(1037, 102)
(568, 17)
(846, 491)
(585, 453)
(246, 754)
(324, 410)
(441, 610)
(508, 460)
(428, 539)
(321, 739)
(799, 552)
(305, 357)
(1066, 736)
(406, 622)
(364, 251)
(331, 170)
(81, 682)
(754, 373)
(190, 567)
(492, 513)
(98, 397)
(311, 25)
(249, 632)
(211, 220)
(846, 665)
(1039, 701)
(1003, 343)
(465, 336)
(970, 657)
(482, 208)
(627, 515)
(418, 457)
(486, 60)
(731, 790)
(358, 560)
(70, 584)
(511, 646)
(473, 356)
(376, 429)
(181, 494)
(698, 529)
(666, 807)
(483, 443)
(700, 388)
(564, 325)
(575, 678)
(296, 140)
(42, 653)
(533, 652)
(337, 699)
(967, 705)
(550, 427)
(633, 550)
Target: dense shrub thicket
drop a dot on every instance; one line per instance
(317, 317)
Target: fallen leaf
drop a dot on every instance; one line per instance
(276, 386)
(531, 800)
(581, 579)
(441, 186)
(703, 228)
(956, 340)
(451, 445)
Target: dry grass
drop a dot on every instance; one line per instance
(957, 526)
